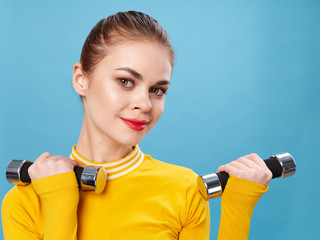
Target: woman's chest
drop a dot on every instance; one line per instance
(128, 214)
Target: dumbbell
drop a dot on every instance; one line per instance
(94, 179)
(89, 178)
(212, 185)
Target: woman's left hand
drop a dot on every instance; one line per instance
(250, 167)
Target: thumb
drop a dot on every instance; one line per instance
(75, 163)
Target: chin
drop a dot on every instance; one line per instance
(131, 140)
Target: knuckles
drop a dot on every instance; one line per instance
(254, 155)
(47, 165)
(52, 161)
(250, 168)
(268, 174)
(241, 159)
(253, 171)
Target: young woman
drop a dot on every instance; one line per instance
(122, 78)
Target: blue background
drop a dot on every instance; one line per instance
(246, 80)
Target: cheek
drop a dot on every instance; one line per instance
(107, 92)
(105, 100)
(107, 95)
(158, 110)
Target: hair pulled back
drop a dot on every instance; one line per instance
(119, 27)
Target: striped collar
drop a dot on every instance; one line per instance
(117, 168)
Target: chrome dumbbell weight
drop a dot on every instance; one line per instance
(89, 178)
(212, 185)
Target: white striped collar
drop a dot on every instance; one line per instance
(117, 168)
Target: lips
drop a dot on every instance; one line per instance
(135, 124)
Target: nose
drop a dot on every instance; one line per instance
(142, 102)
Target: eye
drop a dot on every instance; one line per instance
(158, 91)
(126, 82)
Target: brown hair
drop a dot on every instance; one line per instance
(119, 27)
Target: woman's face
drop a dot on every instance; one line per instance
(125, 94)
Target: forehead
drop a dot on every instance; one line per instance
(146, 57)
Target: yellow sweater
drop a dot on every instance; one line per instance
(144, 199)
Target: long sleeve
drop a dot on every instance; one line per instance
(59, 197)
(237, 204)
(17, 221)
(197, 214)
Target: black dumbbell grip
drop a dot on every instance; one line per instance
(24, 175)
(272, 163)
(78, 171)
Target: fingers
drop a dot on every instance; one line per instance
(48, 165)
(237, 169)
(231, 167)
(44, 156)
(228, 168)
(261, 165)
(255, 158)
(249, 162)
(250, 167)
(74, 162)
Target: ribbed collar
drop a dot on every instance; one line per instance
(117, 168)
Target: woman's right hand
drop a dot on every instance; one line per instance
(47, 165)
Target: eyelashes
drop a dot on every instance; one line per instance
(158, 91)
(126, 82)
(129, 84)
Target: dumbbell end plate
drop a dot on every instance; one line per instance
(13, 171)
(209, 186)
(93, 179)
(287, 163)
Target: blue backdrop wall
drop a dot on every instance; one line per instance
(247, 72)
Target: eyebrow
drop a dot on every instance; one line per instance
(139, 76)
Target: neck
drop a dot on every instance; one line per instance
(97, 147)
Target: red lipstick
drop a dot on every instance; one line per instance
(135, 124)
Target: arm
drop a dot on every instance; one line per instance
(55, 182)
(59, 196)
(237, 204)
(54, 190)
(196, 222)
(18, 218)
(249, 179)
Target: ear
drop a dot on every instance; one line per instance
(79, 80)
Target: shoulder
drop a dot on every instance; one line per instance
(165, 167)
(173, 174)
